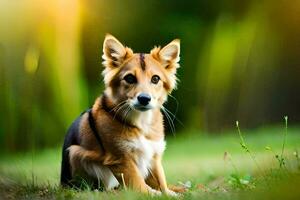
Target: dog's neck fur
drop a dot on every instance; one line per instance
(142, 120)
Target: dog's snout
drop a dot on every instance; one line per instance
(144, 99)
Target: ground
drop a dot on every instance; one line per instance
(210, 166)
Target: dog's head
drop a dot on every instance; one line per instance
(139, 81)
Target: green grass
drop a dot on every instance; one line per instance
(192, 158)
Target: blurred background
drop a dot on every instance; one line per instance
(240, 60)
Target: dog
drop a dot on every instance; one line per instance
(120, 140)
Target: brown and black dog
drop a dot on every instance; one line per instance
(121, 138)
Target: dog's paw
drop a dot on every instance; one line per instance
(153, 192)
(171, 193)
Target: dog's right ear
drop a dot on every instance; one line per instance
(114, 53)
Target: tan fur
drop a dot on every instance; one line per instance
(129, 137)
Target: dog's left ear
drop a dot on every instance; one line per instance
(170, 53)
(168, 56)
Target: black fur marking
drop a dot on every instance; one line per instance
(94, 129)
(142, 61)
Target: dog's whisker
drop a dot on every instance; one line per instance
(127, 112)
(172, 126)
(119, 109)
(175, 113)
(170, 121)
(118, 105)
(174, 116)
(125, 116)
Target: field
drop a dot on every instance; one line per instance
(211, 167)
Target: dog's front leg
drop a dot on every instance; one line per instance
(132, 177)
(159, 175)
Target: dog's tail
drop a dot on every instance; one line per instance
(71, 138)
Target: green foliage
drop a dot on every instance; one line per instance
(194, 161)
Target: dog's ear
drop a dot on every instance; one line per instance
(170, 53)
(168, 56)
(114, 53)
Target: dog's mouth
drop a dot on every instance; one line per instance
(142, 108)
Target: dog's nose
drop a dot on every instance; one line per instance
(144, 99)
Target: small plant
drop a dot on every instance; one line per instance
(280, 158)
(277, 157)
(245, 147)
(241, 182)
(235, 179)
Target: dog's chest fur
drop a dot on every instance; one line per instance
(143, 151)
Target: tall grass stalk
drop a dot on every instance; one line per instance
(245, 147)
(282, 162)
(123, 180)
(280, 158)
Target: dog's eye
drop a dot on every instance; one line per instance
(155, 79)
(129, 78)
